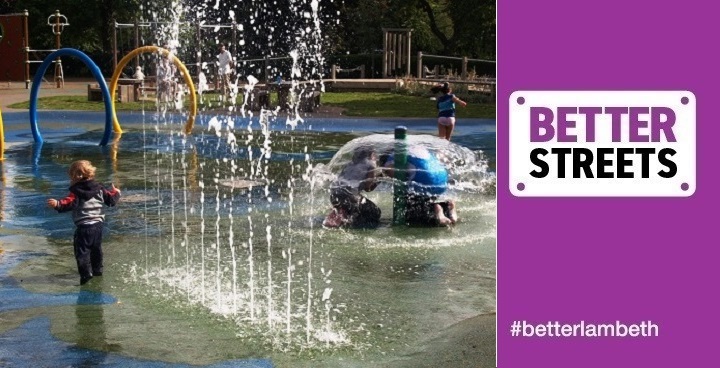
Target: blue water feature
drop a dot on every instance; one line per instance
(37, 81)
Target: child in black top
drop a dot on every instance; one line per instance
(350, 207)
(86, 200)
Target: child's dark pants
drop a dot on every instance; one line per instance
(88, 250)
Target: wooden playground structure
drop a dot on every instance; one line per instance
(16, 51)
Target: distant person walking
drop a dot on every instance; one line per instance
(225, 65)
(167, 86)
(446, 109)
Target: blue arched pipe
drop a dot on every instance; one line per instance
(37, 80)
(37, 149)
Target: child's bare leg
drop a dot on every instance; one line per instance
(442, 219)
(441, 131)
(453, 212)
(448, 131)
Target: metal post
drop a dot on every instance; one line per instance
(234, 38)
(233, 56)
(115, 45)
(198, 53)
(400, 51)
(409, 41)
(419, 65)
(393, 55)
(137, 42)
(26, 45)
(267, 69)
(463, 76)
(400, 175)
(58, 65)
(385, 54)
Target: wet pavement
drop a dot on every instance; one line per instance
(28, 315)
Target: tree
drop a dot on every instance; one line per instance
(457, 27)
(448, 27)
(463, 27)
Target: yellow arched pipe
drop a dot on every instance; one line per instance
(164, 53)
(2, 138)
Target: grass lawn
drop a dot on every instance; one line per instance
(81, 103)
(385, 104)
(359, 104)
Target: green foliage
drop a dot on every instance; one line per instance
(474, 20)
(454, 28)
(446, 27)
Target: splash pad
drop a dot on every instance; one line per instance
(231, 239)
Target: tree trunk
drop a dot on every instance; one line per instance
(434, 27)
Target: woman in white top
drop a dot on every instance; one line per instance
(225, 65)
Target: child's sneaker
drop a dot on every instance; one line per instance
(84, 280)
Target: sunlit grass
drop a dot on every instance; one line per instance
(386, 104)
(359, 104)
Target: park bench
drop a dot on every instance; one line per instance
(259, 98)
(427, 73)
(123, 93)
(336, 70)
(309, 101)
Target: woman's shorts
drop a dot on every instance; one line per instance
(446, 121)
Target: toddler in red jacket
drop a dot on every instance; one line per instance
(85, 200)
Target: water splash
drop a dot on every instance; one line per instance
(468, 170)
(218, 229)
